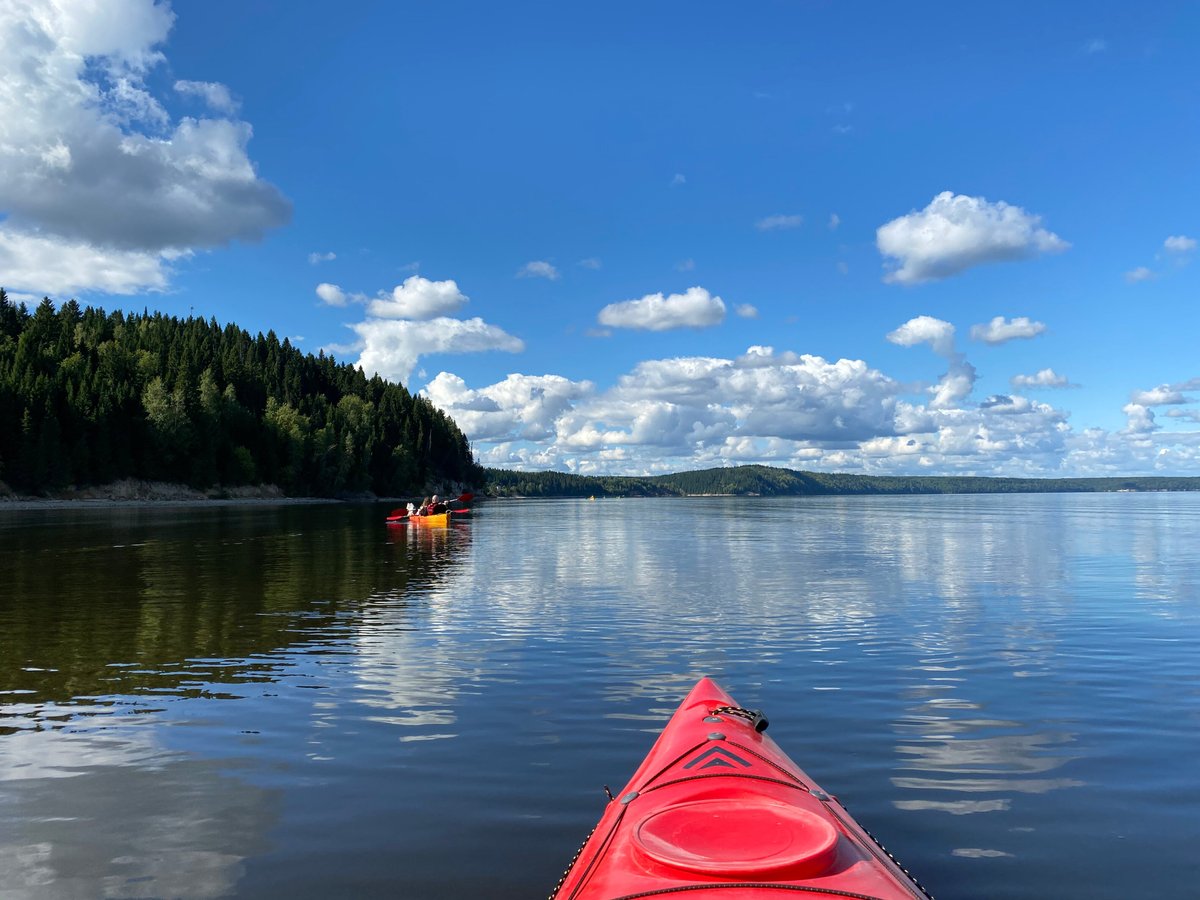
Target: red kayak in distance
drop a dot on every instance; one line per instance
(718, 811)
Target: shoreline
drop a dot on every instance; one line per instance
(34, 503)
(131, 493)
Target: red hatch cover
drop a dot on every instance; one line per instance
(739, 838)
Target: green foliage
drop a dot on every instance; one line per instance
(504, 483)
(88, 397)
(766, 481)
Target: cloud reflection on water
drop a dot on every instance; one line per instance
(137, 821)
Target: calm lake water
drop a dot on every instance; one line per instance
(299, 701)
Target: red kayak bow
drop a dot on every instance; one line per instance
(718, 811)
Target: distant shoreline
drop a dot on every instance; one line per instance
(770, 481)
(738, 481)
(132, 493)
(25, 503)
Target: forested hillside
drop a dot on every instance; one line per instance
(767, 482)
(507, 483)
(89, 397)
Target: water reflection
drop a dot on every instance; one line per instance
(977, 675)
(115, 635)
(134, 822)
(177, 607)
(995, 763)
(410, 678)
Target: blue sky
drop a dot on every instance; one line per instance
(635, 238)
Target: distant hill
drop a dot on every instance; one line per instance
(89, 398)
(766, 481)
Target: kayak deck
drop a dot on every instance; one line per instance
(717, 809)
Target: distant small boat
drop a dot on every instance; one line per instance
(593, 497)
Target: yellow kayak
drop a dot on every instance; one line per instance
(435, 519)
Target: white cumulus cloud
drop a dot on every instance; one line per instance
(1163, 395)
(670, 413)
(1141, 273)
(391, 347)
(779, 222)
(1000, 330)
(331, 294)
(1043, 378)
(956, 384)
(1192, 415)
(91, 159)
(800, 411)
(215, 94)
(519, 408)
(954, 387)
(925, 330)
(694, 308)
(956, 232)
(1139, 420)
(418, 298)
(45, 264)
(317, 258)
(411, 321)
(1179, 243)
(538, 268)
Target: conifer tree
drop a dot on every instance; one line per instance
(87, 397)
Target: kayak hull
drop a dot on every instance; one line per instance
(437, 519)
(434, 519)
(717, 809)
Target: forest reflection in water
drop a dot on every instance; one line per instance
(145, 600)
(119, 627)
(289, 700)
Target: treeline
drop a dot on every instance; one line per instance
(89, 397)
(506, 483)
(766, 481)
